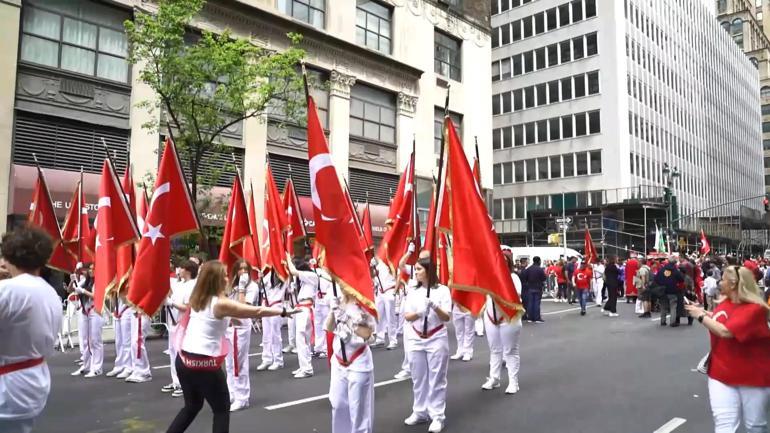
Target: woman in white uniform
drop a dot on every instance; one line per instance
(176, 305)
(239, 335)
(200, 358)
(351, 387)
(122, 325)
(503, 338)
(426, 313)
(465, 333)
(305, 282)
(273, 296)
(322, 305)
(89, 326)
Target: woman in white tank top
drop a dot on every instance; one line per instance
(199, 362)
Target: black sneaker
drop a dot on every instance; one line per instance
(674, 324)
(583, 313)
(663, 323)
(645, 316)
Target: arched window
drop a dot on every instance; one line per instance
(721, 6)
(736, 30)
(765, 92)
(754, 62)
(726, 26)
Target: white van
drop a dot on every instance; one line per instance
(545, 253)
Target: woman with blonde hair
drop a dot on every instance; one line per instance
(739, 364)
(203, 347)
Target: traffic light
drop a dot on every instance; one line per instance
(766, 203)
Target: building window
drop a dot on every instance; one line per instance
(531, 171)
(555, 167)
(766, 110)
(721, 6)
(372, 114)
(736, 30)
(448, 57)
(566, 127)
(518, 100)
(373, 25)
(78, 36)
(578, 46)
(765, 92)
(518, 171)
(569, 167)
(519, 205)
(580, 125)
(594, 125)
(580, 86)
(754, 62)
(529, 97)
(497, 209)
(438, 126)
(507, 172)
(766, 144)
(551, 21)
(566, 52)
(765, 126)
(590, 8)
(518, 135)
(564, 15)
(593, 83)
(309, 11)
(582, 163)
(596, 161)
(577, 10)
(507, 208)
(592, 48)
(507, 139)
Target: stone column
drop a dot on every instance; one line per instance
(10, 12)
(339, 120)
(255, 142)
(405, 129)
(145, 143)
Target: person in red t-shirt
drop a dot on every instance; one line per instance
(739, 367)
(561, 281)
(582, 282)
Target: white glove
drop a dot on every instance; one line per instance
(373, 263)
(80, 290)
(340, 315)
(344, 332)
(334, 303)
(243, 281)
(411, 248)
(432, 305)
(168, 302)
(79, 266)
(313, 262)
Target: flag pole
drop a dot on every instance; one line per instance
(439, 185)
(80, 217)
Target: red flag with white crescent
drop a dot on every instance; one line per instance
(277, 224)
(41, 214)
(251, 251)
(705, 246)
(127, 253)
(237, 229)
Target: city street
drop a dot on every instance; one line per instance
(591, 374)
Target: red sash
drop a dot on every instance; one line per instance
(430, 333)
(235, 351)
(309, 305)
(119, 315)
(21, 365)
(361, 350)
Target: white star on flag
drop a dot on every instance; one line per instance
(153, 232)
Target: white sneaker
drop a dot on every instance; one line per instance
(378, 342)
(415, 419)
(93, 374)
(114, 372)
(177, 392)
(614, 314)
(238, 405)
(293, 350)
(456, 356)
(392, 346)
(168, 388)
(436, 426)
(605, 312)
(467, 357)
(403, 374)
(296, 371)
(513, 388)
(263, 366)
(491, 383)
(303, 375)
(274, 367)
(167, 352)
(78, 372)
(138, 379)
(125, 374)
(288, 349)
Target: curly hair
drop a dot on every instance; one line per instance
(27, 248)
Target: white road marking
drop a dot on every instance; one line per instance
(167, 366)
(671, 425)
(325, 396)
(567, 310)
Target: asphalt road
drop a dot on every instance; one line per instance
(591, 374)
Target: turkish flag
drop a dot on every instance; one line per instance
(141, 211)
(705, 246)
(277, 224)
(115, 227)
(294, 214)
(237, 229)
(336, 230)
(76, 230)
(366, 222)
(127, 253)
(478, 265)
(443, 258)
(404, 227)
(251, 251)
(443, 218)
(590, 255)
(41, 214)
(171, 213)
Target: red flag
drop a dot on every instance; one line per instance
(402, 229)
(477, 171)
(251, 251)
(141, 211)
(237, 229)
(366, 222)
(114, 227)
(705, 246)
(478, 265)
(277, 224)
(590, 255)
(443, 258)
(126, 253)
(443, 219)
(359, 227)
(336, 230)
(171, 213)
(76, 230)
(294, 214)
(316, 250)
(41, 214)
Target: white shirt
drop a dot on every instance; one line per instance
(308, 283)
(181, 292)
(598, 271)
(356, 315)
(488, 307)
(205, 332)
(417, 302)
(325, 290)
(710, 286)
(385, 276)
(30, 318)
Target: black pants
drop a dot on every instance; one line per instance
(612, 300)
(197, 386)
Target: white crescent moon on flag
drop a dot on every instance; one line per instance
(317, 163)
(159, 191)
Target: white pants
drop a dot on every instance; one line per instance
(503, 342)
(429, 369)
(238, 385)
(478, 326)
(598, 285)
(123, 341)
(304, 329)
(464, 331)
(351, 394)
(271, 340)
(172, 354)
(140, 362)
(90, 329)
(730, 404)
(388, 323)
(17, 425)
(291, 324)
(321, 313)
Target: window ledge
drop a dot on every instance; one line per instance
(75, 76)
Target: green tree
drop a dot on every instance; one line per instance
(207, 82)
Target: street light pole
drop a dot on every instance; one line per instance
(564, 223)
